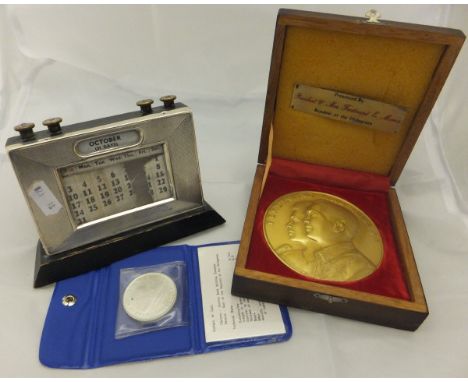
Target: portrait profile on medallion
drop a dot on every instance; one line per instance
(320, 236)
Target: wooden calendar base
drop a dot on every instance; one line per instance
(49, 269)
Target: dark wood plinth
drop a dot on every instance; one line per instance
(72, 263)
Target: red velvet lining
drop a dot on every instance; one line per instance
(330, 176)
(366, 191)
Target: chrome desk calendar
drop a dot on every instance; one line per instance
(103, 190)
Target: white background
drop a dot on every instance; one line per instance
(84, 62)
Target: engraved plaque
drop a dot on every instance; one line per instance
(348, 108)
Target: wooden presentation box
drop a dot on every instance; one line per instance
(383, 79)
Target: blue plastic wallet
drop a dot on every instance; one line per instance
(83, 336)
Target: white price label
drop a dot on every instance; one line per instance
(44, 198)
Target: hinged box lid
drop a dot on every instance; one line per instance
(381, 77)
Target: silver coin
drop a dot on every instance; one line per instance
(149, 297)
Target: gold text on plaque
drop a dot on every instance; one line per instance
(322, 236)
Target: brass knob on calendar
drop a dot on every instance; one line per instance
(25, 130)
(168, 101)
(53, 124)
(145, 106)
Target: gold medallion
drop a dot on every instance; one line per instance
(322, 236)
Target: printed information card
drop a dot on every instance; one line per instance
(227, 317)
